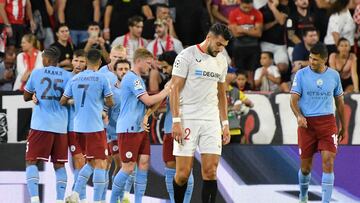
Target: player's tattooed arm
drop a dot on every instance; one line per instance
(28, 96)
(109, 102)
(294, 104)
(339, 103)
(177, 85)
(223, 108)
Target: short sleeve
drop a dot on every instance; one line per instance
(334, 23)
(232, 17)
(106, 87)
(275, 72)
(296, 87)
(68, 90)
(181, 67)
(298, 53)
(29, 87)
(257, 74)
(258, 17)
(338, 91)
(136, 86)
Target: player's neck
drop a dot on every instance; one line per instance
(133, 37)
(92, 67)
(203, 46)
(319, 70)
(136, 70)
(62, 42)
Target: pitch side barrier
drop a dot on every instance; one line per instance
(271, 121)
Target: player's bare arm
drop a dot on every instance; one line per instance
(294, 104)
(28, 96)
(177, 85)
(149, 111)
(153, 99)
(339, 103)
(109, 102)
(64, 100)
(223, 112)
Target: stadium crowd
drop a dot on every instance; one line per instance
(271, 39)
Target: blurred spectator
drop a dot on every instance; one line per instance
(65, 46)
(95, 41)
(42, 11)
(7, 70)
(341, 24)
(192, 21)
(267, 77)
(246, 24)
(302, 51)
(321, 12)
(132, 40)
(161, 74)
(345, 63)
(238, 105)
(117, 14)
(78, 14)
(241, 81)
(12, 19)
(275, 13)
(356, 17)
(299, 19)
(163, 41)
(220, 9)
(29, 59)
(162, 13)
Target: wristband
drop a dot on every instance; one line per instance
(224, 122)
(176, 120)
(106, 30)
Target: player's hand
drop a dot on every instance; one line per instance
(226, 135)
(340, 135)
(177, 132)
(105, 117)
(145, 124)
(34, 99)
(301, 120)
(70, 102)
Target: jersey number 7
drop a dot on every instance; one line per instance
(85, 87)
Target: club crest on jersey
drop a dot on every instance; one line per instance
(319, 83)
(138, 85)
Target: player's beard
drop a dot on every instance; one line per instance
(211, 52)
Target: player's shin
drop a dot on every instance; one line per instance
(140, 184)
(125, 196)
(304, 181)
(189, 189)
(118, 185)
(99, 183)
(179, 192)
(84, 175)
(169, 177)
(61, 181)
(209, 191)
(103, 196)
(76, 174)
(32, 179)
(327, 185)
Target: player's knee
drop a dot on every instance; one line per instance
(328, 164)
(143, 163)
(58, 165)
(32, 162)
(79, 162)
(182, 176)
(128, 167)
(209, 173)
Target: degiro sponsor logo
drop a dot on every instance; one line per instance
(208, 74)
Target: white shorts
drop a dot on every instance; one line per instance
(279, 51)
(199, 133)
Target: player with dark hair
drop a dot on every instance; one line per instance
(51, 139)
(90, 89)
(76, 142)
(199, 93)
(313, 91)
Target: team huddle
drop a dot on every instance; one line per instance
(101, 116)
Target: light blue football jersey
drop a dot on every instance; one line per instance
(132, 110)
(317, 91)
(113, 114)
(88, 89)
(48, 84)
